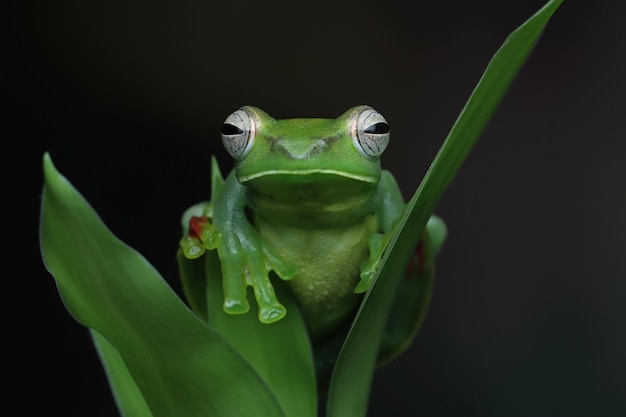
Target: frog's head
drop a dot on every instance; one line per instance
(344, 150)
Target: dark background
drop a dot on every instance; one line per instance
(528, 316)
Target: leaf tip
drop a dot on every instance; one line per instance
(48, 166)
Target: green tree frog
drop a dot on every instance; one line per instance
(307, 203)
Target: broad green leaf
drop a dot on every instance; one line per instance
(180, 365)
(191, 273)
(353, 374)
(127, 396)
(280, 352)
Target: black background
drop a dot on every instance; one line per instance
(528, 316)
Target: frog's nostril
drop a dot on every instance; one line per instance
(302, 150)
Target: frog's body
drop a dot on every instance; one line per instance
(322, 225)
(307, 200)
(327, 264)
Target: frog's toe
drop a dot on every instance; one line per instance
(284, 270)
(272, 314)
(365, 282)
(236, 306)
(270, 309)
(210, 237)
(437, 232)
(368, 271)
(192, 247)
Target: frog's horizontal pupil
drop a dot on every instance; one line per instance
(228, 130)
(379, 128)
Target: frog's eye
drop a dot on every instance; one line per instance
(238, 133)
(370, 133)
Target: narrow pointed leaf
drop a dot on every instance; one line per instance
(180, 365)
(217, 180)
(353, 374)
(409, 307)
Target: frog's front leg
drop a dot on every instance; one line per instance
(389, 208)
(377, 244)
(244, 257)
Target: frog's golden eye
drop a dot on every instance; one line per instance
(370, 133)
(238, 133)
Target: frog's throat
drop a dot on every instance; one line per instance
(362, 178)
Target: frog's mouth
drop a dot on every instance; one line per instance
(300, 175)
(310, 193)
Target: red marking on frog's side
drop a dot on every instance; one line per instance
(196, 224)
(419, 254)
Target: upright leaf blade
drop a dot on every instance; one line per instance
(180, 365)
(353, 374)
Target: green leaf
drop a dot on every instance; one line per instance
(353, 374)
(280, 352)
(129, 400)
(191, 272)
(412, 296)
(180, 365)
(217, 180)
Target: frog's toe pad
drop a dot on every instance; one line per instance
(366, 281)
(272, 314)
(192, 247)
(233, 306)
(362, 286)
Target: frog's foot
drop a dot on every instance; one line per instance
(377, 245)
(437, 232)
(201, 236)
(248, 262)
